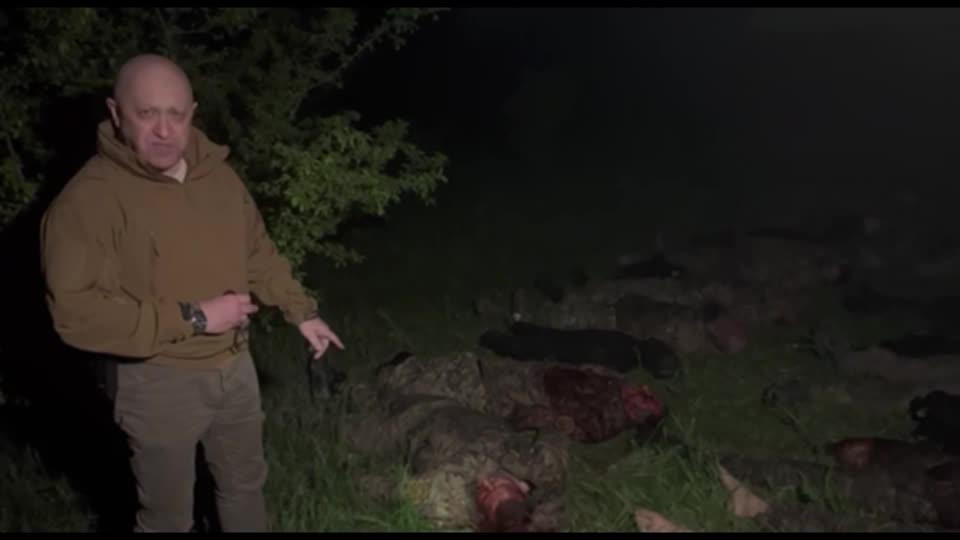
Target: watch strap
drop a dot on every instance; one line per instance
(194, 315)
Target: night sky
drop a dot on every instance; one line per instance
(864, 97)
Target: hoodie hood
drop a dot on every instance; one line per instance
(202, 155)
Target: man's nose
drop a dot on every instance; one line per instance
(162, 127)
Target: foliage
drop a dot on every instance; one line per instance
(257, 73)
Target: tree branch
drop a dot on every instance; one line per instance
(167, 34)
(375, 36)
(15, 156)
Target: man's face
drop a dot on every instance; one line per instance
(154, 114)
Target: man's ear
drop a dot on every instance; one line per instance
(114, 112)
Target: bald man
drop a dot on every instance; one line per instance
(152, 254)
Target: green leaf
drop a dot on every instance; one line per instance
(252, 69)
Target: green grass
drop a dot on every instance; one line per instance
(35, 501)
(415, 291)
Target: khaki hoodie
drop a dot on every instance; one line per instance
(122, 245)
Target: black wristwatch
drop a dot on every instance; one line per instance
(194, 315)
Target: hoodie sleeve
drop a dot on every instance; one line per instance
(270, 275)
(89, 311)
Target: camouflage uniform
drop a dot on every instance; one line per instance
(669, 310)
(594, 306)
(679, 326)
(436, 413)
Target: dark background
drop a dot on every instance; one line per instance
(771, 97)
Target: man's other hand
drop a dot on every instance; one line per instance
(319, 335)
